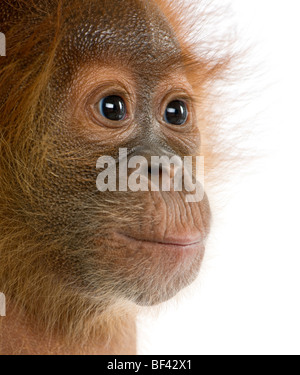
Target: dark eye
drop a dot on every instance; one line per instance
(113, 108)
(176, 113)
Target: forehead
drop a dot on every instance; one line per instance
(130, 32)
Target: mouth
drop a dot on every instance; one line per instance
(174, 243)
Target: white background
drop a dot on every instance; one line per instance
(247, 299)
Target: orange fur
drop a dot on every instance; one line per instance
(25, 147)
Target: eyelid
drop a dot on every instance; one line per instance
(110, 88)
(113, 92)
(179, 93)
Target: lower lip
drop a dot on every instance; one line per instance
(178, 245)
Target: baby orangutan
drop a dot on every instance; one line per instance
(83, 79)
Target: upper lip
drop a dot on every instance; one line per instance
(175, 241)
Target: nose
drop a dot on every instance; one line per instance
(159, 168)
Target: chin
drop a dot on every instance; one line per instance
(150, 273)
